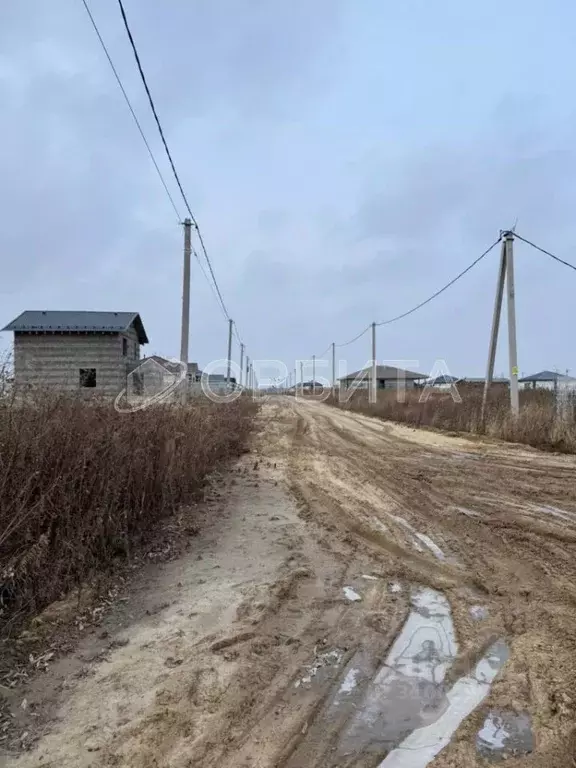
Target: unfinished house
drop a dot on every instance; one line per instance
(86, 352)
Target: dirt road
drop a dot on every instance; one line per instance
(362, 595)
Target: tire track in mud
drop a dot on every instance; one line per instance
(484, 506)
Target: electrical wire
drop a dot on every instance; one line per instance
(208, 281)
(130, 107)
(173, 166)
(543, 250)
(346, 343)
(434, 295)
(427, 301)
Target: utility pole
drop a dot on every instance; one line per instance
(241, 363)
(184, 337)
(229, 363)
(313, 374)
(373, 379)
(333, 367)
(495, 330)
(505, 275)
(301, 377)
(185, 330)
(295, 382)
(512, 348)
(247, 372)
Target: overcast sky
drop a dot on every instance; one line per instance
(344, 158)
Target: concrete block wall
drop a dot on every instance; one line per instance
(54, 360)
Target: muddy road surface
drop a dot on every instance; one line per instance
(361, 595)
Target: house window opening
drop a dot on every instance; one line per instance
(87, 377)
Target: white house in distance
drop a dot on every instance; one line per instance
(76, 351)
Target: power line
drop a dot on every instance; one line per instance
(208, 281)
(434, 295)
(423, 303)
(346, 343)
(119, 81)
(543, 250)
(174, 171)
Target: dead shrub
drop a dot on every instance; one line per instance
(81, 483)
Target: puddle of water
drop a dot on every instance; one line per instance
(350, 681)
(505, 734)
(351, 594)
(467, 512)
(407, 691)
(479, 612)
(418, 538)
(326, 659)
(422, 745)
(562, 514)
(432, 546)
(405, 709)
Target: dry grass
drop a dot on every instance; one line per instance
(80, 484)
(539, 423)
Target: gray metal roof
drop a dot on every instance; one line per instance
(546, 376)
(444, 378)
(385, 372)
(78, 322)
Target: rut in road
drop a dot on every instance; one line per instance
(359, 584)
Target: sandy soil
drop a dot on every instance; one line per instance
(244, 652)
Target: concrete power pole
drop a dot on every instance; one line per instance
(184, 336)
(373, 378)
(229, 361)
(185, 330)
(505, 275)
(333, 367)
(495, 330)
(313, 374)
(247, 372)
(512, 348)
(241, 363)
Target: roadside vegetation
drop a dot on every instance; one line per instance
(542, 423)
(81, 485)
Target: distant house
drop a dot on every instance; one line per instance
(216, 382)
(387, 377)
(548, 380)
(92, 352)
(444, 381)
(310, 386)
